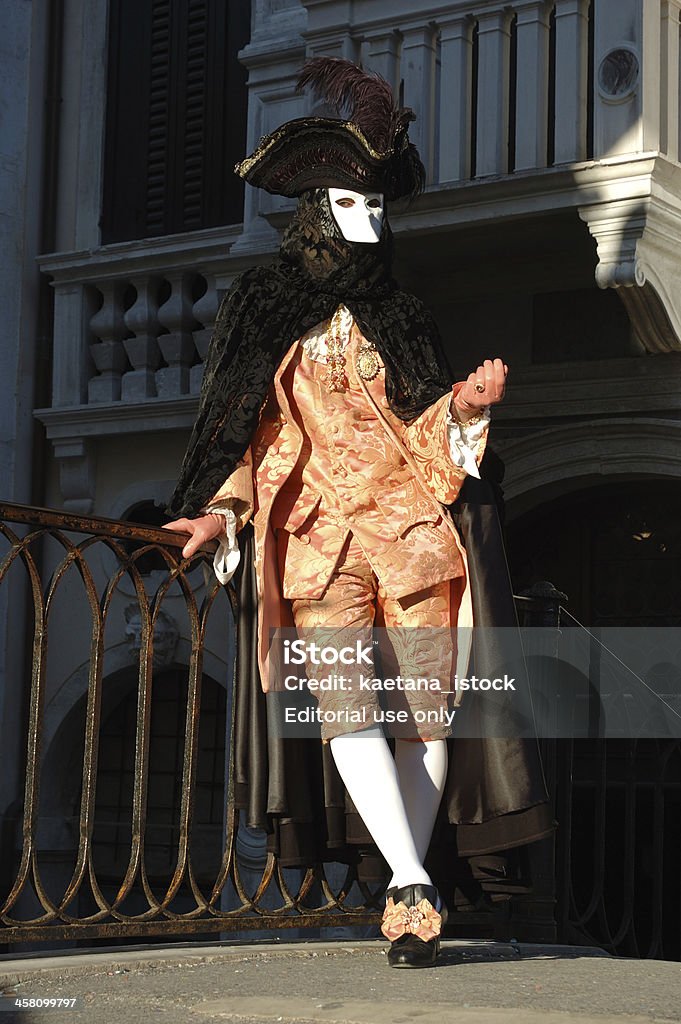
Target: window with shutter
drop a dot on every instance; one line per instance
(176, 117)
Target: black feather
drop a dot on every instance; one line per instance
(363, 97)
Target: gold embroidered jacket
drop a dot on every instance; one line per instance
(325, 463)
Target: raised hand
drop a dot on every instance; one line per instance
(485, 386)
(203, 529)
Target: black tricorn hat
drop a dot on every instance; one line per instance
(369, 150)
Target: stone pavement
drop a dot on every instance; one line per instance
(343, 982)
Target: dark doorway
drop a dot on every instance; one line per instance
(615, 550)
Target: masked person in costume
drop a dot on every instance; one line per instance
(329, 422)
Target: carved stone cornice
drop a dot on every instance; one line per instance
(637, 241)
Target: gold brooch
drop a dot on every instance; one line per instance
(367, 361)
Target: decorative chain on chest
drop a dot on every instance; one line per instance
(338, 335)
(337, 340)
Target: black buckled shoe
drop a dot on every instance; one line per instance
(412, 922)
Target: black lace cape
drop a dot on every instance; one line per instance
(495, 800)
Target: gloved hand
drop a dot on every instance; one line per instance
(469, 401)
(202, 529)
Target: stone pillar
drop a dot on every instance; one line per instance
(71, 363)
(627, 77)
(572, 70)
(669, 99)
(273, 58)
(456, 99)
(384, 56)
(532, 85)
(494, 37)
(418, 73)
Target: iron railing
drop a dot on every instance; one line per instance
(59, 552)
(618, 804)
(93, 586)
(618, 871)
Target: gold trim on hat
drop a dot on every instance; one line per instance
(267, 142)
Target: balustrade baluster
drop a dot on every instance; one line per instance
(178, 345)
(205, 310)
(108, 353)
(143, 350)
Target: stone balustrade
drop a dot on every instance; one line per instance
(133, 321)
(147, 349)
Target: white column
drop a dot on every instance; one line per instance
(669, 98)
(494, 38)
(418, 74)
(572, 72)
(383, 49)
(627, 73)
(651, 28)
(455, 114)
(532, 85)
(273, 57)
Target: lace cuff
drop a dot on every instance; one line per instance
(227, 557)
(464, 437)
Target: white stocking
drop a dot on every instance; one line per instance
(422, 771)
(368, 769)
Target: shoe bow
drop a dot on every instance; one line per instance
(422, 920)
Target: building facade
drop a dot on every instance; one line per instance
(548, 235)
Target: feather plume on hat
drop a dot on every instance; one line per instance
(365, 147)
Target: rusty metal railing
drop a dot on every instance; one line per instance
(93, 566)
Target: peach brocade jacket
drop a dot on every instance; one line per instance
(323, 464)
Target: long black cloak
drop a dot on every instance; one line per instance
(495, 799)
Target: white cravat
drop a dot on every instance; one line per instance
(463, 439)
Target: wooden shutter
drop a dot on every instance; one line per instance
(176, 117)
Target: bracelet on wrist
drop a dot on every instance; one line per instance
(475, 418)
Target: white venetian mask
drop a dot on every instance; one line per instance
(359, 215)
